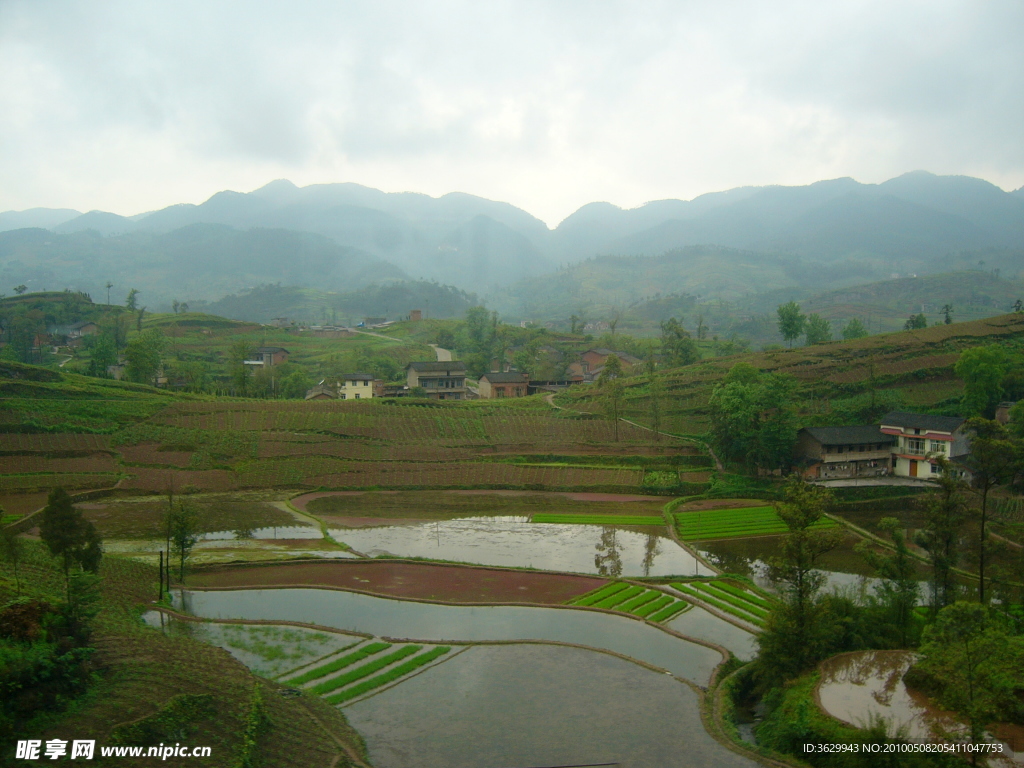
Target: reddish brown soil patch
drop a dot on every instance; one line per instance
(426, 582)
(147, 453)
(22, 503)
(721, 504)
(97, 462)
(159, 480)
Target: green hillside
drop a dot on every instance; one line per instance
(908, 369)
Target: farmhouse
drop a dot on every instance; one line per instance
(442, 380)
(268, 356)
(591, 362)
(511, 384)
(348, 386)
(834, 452)
(919, 438)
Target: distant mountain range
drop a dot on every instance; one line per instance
(826, 234)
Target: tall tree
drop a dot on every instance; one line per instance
(752, 417)
(916, 322)
(982, 370)
(143, 356)
(854, 330)
(677, 347)
(791, 321)
(945, 515)
(947, 313)
(655, 392)
(796, 635)
(818, 329)
(994, 460)
(241, 375)
(184, 530)
(609, 380)
(131, 301)
(69, 536)
(898, 589)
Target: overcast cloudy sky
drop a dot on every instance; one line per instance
(129, 106)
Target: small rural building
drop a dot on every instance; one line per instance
(442, 379)
(919, 438)
(321, 392)
(835, 452)
(268, 356)
(355, 386)
(416, 315)
(512, 384)
(591, 363)
(82, 328)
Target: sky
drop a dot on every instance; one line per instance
(129, 107)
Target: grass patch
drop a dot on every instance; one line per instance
(654, 605)
(392, 674)
(366, 669)
(631, 605)
(732, 523)
(363, 653)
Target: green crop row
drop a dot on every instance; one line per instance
(670, 611)
(713, 589)
(333, 666)
(366, 669)
(600, 594)
(722, 606)
(545, 517)
(653, 605)
(743, 594)
(387, 677)
(645, 597)
(619, 597)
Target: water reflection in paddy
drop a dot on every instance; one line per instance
(537, 705)
(275, 532)
(514, 541)
(439, 623)
(704, 625)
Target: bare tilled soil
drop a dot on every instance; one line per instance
(412, 580)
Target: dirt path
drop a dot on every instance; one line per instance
(443, 355)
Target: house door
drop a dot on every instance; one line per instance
(913, 468)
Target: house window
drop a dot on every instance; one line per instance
(935, 469)
(357, 395)
(915, 445)
(343, 396)
(938, 446)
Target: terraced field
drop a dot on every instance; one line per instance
(349, 674)
(651, 604)
(733, 523)
(745, 604)
(599, 519)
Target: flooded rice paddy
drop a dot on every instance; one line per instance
(535, 705)
(383, 617)
(515, 541)
(267, 650)
(704, 625)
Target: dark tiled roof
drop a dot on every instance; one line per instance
(270, 350)
(438, 366)
(859, 435)
(505, 378)
(355, 377)
(921, 421)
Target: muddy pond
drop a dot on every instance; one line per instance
(384, 617)
(866, 686)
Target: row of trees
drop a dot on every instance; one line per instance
(793, 324)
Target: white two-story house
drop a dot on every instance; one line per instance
(920, 438)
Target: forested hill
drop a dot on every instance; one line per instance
(201, 261)
(820, 233)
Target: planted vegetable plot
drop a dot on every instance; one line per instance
(733, 523)
(725, 596)
(343, 677)
(599, 519)
(651, 604)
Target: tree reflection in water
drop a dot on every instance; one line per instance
(608, 560)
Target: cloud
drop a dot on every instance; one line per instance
(127, 106)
